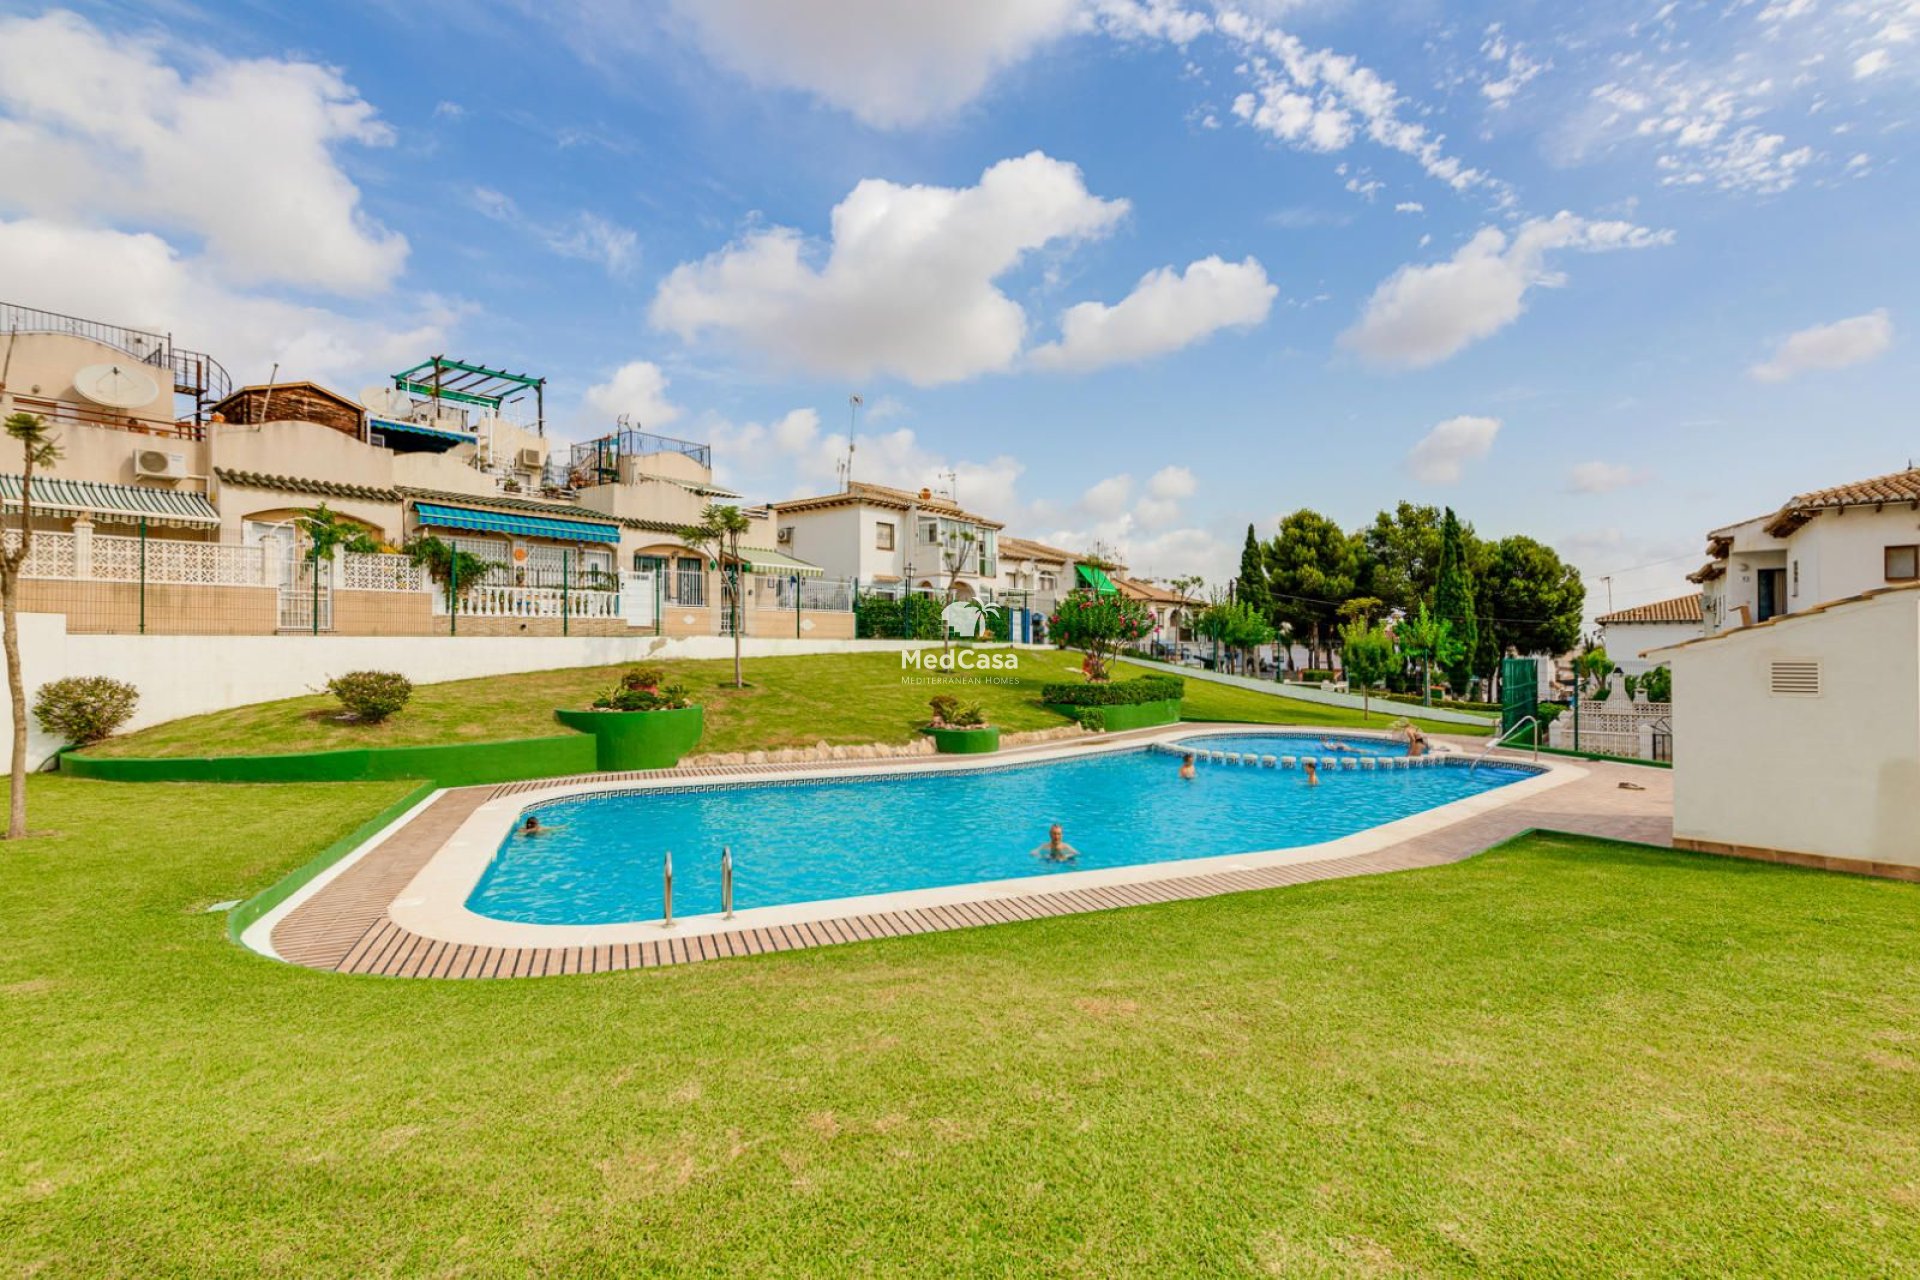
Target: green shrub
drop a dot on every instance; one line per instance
(371, 696)
(881, 618)
(625, 697)
(1547, 711)
(1117, 693)
(84, 709)
(1313, 675)
(1089, 718)
(643, 678)
(969, 715)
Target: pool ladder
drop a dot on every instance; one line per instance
(1503, 735)
(726, 886)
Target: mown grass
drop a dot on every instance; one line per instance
(832, 698)
(1564, 1057)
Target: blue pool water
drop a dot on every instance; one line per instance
(802, 842)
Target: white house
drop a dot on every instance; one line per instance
(1820, 546)
(1629, 633)
(1797, 739)
(892, 541)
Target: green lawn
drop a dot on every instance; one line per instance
(1564, 1057)
(839, 698)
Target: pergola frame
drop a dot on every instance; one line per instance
(442, 379)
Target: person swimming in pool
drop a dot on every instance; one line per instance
(534, 827)
(1328, 744)
(1313, 774)
(1056, 849)
(1186, 766)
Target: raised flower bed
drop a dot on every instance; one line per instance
(960, 729)
(639, 724)
(1118, 705)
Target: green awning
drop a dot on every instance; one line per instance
(113, 503)
(1096, 577)
(778, 564)
(522, 526)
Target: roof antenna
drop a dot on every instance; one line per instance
(953, 484)
(853, 411)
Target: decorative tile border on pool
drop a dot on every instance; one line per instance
(366, 915)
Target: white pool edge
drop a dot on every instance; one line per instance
(433, 905)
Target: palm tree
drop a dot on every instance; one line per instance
(38, 449)
(718, 535)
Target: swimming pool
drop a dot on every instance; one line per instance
(802, 841)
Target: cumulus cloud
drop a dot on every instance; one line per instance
(790, 457)
(1442, 454)
(1420, 315)
(140, 280)
(240, 154)
(889, 62)
(637, 391)
(1601, 477)
(1854, 340)
(1149, 532)
(907, 285)
(1166, 311)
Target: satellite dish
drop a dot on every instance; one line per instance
(115, 386)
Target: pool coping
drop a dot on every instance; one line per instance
(426, 914)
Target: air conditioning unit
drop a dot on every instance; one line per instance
(785, 534)
(528, 459)
(159, 464)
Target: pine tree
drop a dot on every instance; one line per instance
(1252, 588)
(1453, 599)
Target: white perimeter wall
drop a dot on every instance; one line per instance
(188, 675)
(1837, 774)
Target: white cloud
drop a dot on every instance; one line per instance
(240, 154)
(1871, 63)
(1166, 311)
(1601, 477)
(889, 62)
(1515, 68)
(1146, 532)
(139, 280)
(1442, 454)
(1409, 206)
(792, 457)
(1108, 498)
(447, 109)
(1854, 340)
(585, 237)
(638, 391)
(1420, 315)
(907, 285)
(1321, 100)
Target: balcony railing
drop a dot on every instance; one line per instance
(102, 558)
(194, 373)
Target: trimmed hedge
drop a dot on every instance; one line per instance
(1115, 693)
(451, 765)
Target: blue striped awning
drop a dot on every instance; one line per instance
(429, 513)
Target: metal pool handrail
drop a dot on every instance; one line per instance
(1502, 736)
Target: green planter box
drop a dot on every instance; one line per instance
(964, 742)
(638, 739)
(1119, 717)
(452, 765)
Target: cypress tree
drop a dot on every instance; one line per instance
(1453, 599)
(1251, 588)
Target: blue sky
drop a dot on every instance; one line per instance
(1134, 272)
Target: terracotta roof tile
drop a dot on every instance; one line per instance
(1678, 609)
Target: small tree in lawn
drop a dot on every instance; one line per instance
(1429, 641)
(37, 449)
(958, 555)
(718, 537)
(1236, 624)
(1098, 625)
(1368, 654)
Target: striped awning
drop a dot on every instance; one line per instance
(523, 526)
(387, 426)
(777, 563)
(113, 503)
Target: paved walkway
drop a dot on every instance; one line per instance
(346, 926)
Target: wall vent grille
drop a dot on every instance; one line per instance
(1797, 679)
